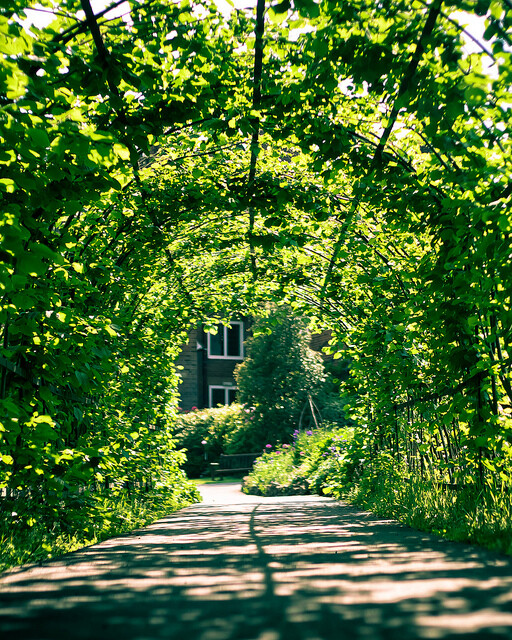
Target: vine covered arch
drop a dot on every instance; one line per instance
(164, 163)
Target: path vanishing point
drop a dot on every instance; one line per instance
(248, 568)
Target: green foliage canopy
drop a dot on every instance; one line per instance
(350, 158)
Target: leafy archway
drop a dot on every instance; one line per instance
(348, 158)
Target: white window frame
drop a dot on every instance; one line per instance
(225, 328)
(226, 390)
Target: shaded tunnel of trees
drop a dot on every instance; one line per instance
(168, 163)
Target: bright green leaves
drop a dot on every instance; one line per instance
(7, 185)
(39, 139)
(41, 428)
(14, 42)
(126, 218)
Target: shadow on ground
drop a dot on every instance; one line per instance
(289, 568)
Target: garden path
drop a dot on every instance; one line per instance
(242, 567)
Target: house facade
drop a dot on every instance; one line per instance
(208, 362)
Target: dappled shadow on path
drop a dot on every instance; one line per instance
(297, 569)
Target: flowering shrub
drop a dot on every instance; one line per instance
(311, 464)
(271, 473)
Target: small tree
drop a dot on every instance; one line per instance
(279, 374)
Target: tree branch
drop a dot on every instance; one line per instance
(433, 14)
(256, 100)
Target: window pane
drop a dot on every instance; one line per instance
(231, 395)
(218, 397)
(217, 342)
(234, 340)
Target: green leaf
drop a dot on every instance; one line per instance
(31, 265)
(46, 394)
(82, 378)
(7, 185)
(110, 331)
(23, 301)
(10, 407)
(39, 138)
(122, 151)
(45, 252)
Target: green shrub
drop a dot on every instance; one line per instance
(272, 474)
(205, 434)
(470, 513)
(31, 530)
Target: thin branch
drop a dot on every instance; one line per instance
(379, 254)
(463, 29)
(256, 100)
(57, 13)
(433, 14)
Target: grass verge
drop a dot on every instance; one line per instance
(472, 514)
(33, 532)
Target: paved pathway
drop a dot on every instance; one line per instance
(240, 567)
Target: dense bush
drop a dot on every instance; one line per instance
(465, 513)
(308, 465)
(205, 434)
